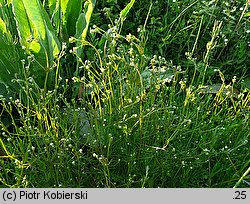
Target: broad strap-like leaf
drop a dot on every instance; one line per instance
(84, 20)
(10, 64)
(228, 90)
(55, 14)
(246, 83)
(52, 5)
(35, 30)
(125, 11)
(64, 15)
(82, 24)
(3, 29)
(23, 24)
(88, 10)
(71, 11)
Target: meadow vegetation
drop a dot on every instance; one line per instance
(125, 93)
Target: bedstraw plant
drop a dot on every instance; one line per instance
(124, 94)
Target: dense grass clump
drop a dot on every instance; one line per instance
(159, 99)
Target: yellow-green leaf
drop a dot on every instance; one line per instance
(88, 10)
(70, 13)
(37, 36)
(34, 26)
(2, 26)
(125, 11)
(247, 14)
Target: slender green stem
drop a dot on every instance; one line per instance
(242, 177)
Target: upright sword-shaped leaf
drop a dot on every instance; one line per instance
(125, 11)
(82, 26)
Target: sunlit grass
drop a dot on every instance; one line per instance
(131, 118)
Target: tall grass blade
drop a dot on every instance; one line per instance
(242, 177)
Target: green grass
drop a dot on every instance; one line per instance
(136, 113)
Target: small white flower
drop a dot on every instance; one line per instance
(134, 115)
(102, 70)
(234, 79)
